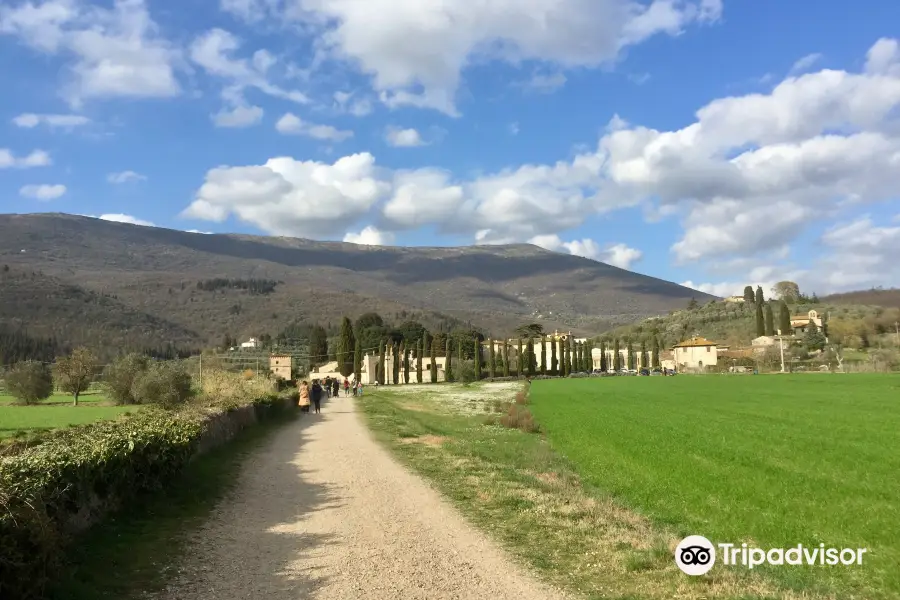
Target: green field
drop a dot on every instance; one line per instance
(57, 411)
(769, 460)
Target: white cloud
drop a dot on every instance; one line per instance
(370, 236)
(803, 64)
(213, 51)
(125, 177)
(120, 218)
(291, 124)
(514, 128)
(618, 255)
(347, 102)
(198, 231)
(289, 197)
(37, 158)
(403, 138)
(31, 120)
(239, 116)
(43, 192)
(415, 51)
(545, 83)
(115, 52)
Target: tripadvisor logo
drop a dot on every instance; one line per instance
(696, 555)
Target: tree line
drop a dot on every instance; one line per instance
(254, 286)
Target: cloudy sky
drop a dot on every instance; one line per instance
(710, 142)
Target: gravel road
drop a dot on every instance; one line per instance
(324, 512)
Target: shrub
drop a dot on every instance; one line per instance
(119, 377)
(465, 372)
(163, 383)
(248, 374)
(519, 417)
(29, 382)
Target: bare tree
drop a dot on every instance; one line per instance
(787, 291)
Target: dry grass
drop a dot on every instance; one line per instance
(223, 388)
(518, 489)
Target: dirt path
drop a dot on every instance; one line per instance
(323, 512)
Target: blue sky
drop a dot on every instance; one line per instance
(709, 142)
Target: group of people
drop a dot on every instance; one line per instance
(330, 386)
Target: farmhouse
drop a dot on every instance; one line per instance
(799, 323)
(251, 343)
(281, 365)
(696, 353)
(762, 343)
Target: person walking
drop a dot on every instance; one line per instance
(335, 387)
(316, 394)
(303, 402)
(346, 386)
(359, 388)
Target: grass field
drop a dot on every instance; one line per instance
(56, 411)
(770, 460)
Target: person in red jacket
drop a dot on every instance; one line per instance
(346, 386)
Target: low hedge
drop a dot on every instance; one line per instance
(71, 477)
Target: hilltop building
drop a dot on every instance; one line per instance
(696, 353)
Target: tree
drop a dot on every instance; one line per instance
(404, 350)
(29, 382)
(760, 320)
(532, 330)
(693, 304)
(787, 291)
(543, 355)
(629, 353)
(395, 367)
(369, 319)
(604, 364)
(345, 348)
(163, 383)
(318, 346)
(505, 358)
(519, 365)
(769, 319)
(74, 373)
(433, 367)
(554, 363)
(491, 366)
(448, 367)
(749, 296)
(382, 365)
(617, 357)
(784, 319)
(645, 362)
(119, 377)
(357, 361)
(530, 361)
(813, 338)
(759, 295)
(476, 362)
(411, 332)
(655, 351)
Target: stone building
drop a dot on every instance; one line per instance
(696, 353)
(282, 365)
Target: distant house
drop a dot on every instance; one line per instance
(762, 343)
(282, 365)
(799, 323)
(251, 343)
(696, 353)
(736, 299)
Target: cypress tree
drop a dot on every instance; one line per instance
(604, 363)
(420, 350)
(530, 361)
(564, 359)
(617, 357)
(395, 367)
(506, 358)
(345, 349)
(748, 294)
(519, 364)
(760, 320)
(630, 355)
(584, 357)
(459, 352)
(448, 367)
(492, 371)
(381, 366)
(406, 361)
(655, 352)
(477, 359)
(784, 319)
(759, 295)
(553, 361)
(645, 361)
(433, 368)
(543, 355)
(357, 360)
(770, 319)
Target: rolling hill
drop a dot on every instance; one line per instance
(102, 282)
